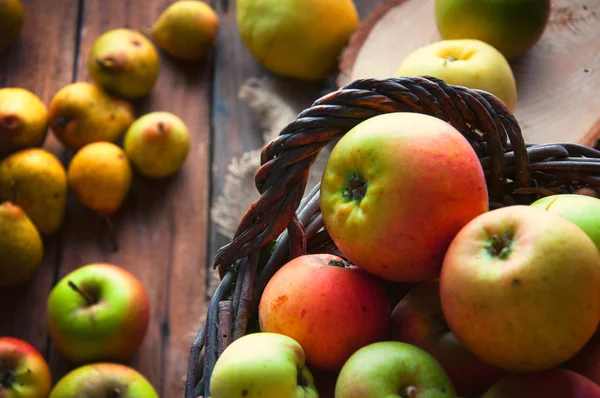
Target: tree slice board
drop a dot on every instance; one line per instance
(558, 80)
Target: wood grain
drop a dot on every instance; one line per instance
(556, 79)
(161, 228)
(41, 61)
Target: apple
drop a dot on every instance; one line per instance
(386, 194)
(392, 369)
(550, 383)
(418, 319)
(331, 308)
(520, 288)
(265, 365)
(511, 26)
(582, 210)
(24, 373)
(587, 361)
(465, 62)
(104, 379)
(98, 312)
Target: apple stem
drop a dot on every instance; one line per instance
(83, 294)
(115, 393)
(161, 128)
(106, 63)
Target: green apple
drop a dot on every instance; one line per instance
(465, 62)
(265, 365)
(520, 288)
(511, 26)
(391, 369)
(582, 210)
(24, 372)
(103, 380)
(98, 312)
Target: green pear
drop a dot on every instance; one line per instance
(157, 144)
(187, 29)
(124, 62)
(81, 113)
(23, 120)
(582, 210)
(100, 177)
(35, 180)
(11, 22)
(21, 247)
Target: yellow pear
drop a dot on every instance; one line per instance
(35, 180)
(81, 113)
(21, 247)
(187, 29)
(100, 176)
(11, 22)
(23, 120)
(157, 144)
(301, 39)
(124, 62)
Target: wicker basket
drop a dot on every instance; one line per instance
(280, 225)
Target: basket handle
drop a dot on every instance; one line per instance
(285, 162)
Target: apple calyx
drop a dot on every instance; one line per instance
(409, 392)
(500, 247)
(355, 188)
(88, 298)
(7, 378)
(301, 379)
(338, 263)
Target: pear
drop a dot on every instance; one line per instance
(35, 180)
(11, 22)
(157, 144)
(81, 113)
(23, 120)
(186, 30)
(21, 247)
(100, 177)
(124, 62)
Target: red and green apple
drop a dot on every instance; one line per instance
(98, 312)
(24, 373)
(330, 307)
(520, 288)
(386, 192)
(103, 379)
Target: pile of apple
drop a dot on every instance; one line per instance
(97, 318)
(500, 303)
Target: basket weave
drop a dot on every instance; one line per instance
(280, 225)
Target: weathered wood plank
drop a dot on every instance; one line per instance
(161, 227)
(41, 61)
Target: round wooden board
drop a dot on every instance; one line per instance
(558, 80)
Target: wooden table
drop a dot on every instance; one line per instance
(165, 233)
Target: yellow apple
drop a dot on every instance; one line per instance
(465, 62)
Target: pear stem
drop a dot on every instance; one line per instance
(82, 292)
(111, 234)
